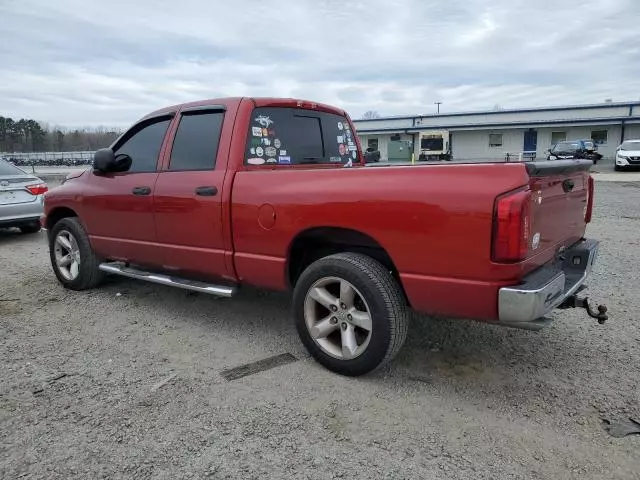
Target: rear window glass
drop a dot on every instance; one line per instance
(289, 136)
(7, 169)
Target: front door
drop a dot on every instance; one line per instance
(188, 197)
(118, 208)
(530, 141)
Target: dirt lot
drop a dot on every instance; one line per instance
(125, 382)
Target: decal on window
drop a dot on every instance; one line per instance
(270, 151)
(255, 161)
(259, 151)
(257, 131)
(263, 120)
(285, 160)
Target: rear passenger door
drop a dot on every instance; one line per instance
(188, 196)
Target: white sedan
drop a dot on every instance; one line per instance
(628, 154)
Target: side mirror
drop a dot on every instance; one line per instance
(105, 161)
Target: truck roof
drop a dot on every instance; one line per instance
(258, 101)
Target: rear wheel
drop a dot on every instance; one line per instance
(30, 228)
(350, 313)
(74, 262)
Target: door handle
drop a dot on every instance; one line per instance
(141, 190)
(206, 191)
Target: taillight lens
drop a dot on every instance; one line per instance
(511, 227)
(589, 209)
(37, 189)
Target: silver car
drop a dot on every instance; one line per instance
(21, 198)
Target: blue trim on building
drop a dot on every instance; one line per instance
(612, 120)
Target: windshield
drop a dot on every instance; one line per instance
(630, 146)
(7, 169)
(566, 147)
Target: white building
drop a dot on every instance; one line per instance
(490, 135)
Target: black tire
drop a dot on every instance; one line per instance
(30, 227)
(89, 275)
(388, 310)
(617, 168)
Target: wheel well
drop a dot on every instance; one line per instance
(58, 214)
(316, 243)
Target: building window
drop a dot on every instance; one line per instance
(495, 139)
(372, 144)
(599, 137)
(557, 137)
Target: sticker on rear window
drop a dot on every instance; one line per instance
(255, 161)
(257, 131)
(263, 120)
(286, 160)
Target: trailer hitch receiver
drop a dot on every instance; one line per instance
(575, 302)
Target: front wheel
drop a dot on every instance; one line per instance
(74, 262)
(350, 313)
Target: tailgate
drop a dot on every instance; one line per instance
(561, 191)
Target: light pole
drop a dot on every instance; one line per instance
(438, 104)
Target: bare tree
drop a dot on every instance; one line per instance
(370, 114)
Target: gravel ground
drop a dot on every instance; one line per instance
(142, 396)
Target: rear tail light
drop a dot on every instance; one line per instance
(37, 189)
(589, 207)
(511, 227)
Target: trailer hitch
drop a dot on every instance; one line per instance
(575, 302)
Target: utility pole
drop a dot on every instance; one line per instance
(438, 104)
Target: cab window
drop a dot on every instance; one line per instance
(289, 136)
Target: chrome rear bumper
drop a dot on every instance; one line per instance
(526, 305)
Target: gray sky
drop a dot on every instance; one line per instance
(80, 62)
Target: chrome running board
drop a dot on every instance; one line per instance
(119, 268)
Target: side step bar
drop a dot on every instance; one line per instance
(119, 268)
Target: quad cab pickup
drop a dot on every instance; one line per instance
(274, 193)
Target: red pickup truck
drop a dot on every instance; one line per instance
(275, 193)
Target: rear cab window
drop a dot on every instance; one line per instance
(291, 136)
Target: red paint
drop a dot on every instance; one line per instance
(436, 222)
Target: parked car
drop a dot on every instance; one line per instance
(21, 198)
(571, 149)
(592, 151)
(274, 193)
(372, 155)
(628, 155)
